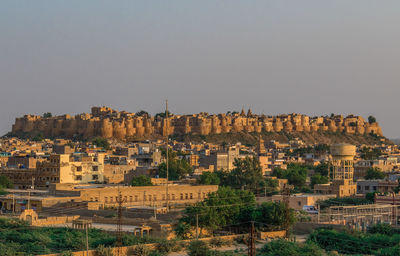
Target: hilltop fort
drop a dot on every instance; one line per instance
(108, 123)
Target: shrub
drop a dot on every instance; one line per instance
(198, 248)
(166, 246)
(104, 251)
(140, 250)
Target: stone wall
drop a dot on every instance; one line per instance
(108, 123)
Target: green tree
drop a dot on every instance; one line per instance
(209, 178)
(219, 209)
(318, 179)
(178, 168)
(198, 248)
(142, 113)
(368, 153)
(246, 174)
(269, 215)
(374, 173)
(371, 119)
(5, 182)
(47, 115)
(284, 247)
(101, 143)
(162, 114)
(141, 180)
(295, 173)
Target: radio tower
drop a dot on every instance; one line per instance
(120, 201)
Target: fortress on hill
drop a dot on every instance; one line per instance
(108, 123)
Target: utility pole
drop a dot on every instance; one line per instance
(197, 226)
(286, 198)
(251, 251)
(167, 148)
(120, 201)
(87, 240)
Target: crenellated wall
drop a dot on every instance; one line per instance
(108, 123)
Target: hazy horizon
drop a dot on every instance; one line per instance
(275, 57)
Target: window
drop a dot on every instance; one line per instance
(149, 197)
(95, 177)
(173, 196)
(106, 199)
(374, 188)
(366, 187)
(95, 168)
(78, 177)
(191, 195)
(186, 196)
(96, 199)
(299, 203)
(181, 196)
(136, 198)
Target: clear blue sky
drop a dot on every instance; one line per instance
(312, 57)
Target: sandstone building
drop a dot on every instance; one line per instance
(108, 123)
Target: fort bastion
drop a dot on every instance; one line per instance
(108, 123)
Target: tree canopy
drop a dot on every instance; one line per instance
(246, 174)
(209, 178)
(368, 153)
(374, 173)
(178, 168)
(295, 173)
(101, 143)
(47, 115)
(371, 119)
(141, 180)
(318, 179)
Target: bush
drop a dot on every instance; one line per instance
(198, 248)
(104, 251)
(166, 246)
(140, 250)
(66, 253)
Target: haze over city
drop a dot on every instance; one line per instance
(311, 57)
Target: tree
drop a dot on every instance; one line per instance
(101, 143)
(284, 247)
(178, 168)
(322, 169)
(219, 209)
(374, 173)
(198, 248)
(368, 153)
(247, 173)
(318, 179)
(269, 215)
(209, 178)
(162, 114)
(141, 180)
(47, 115)
(5, 182)
(371, 119)
(142, 113)
(295, 173)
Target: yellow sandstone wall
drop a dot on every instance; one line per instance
(108, 123)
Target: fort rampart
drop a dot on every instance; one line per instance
(108, 123)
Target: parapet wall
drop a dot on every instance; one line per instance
(107, 123)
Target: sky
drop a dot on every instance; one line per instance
(311, 57)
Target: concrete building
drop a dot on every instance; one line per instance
(74, 169)
(343, 170)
